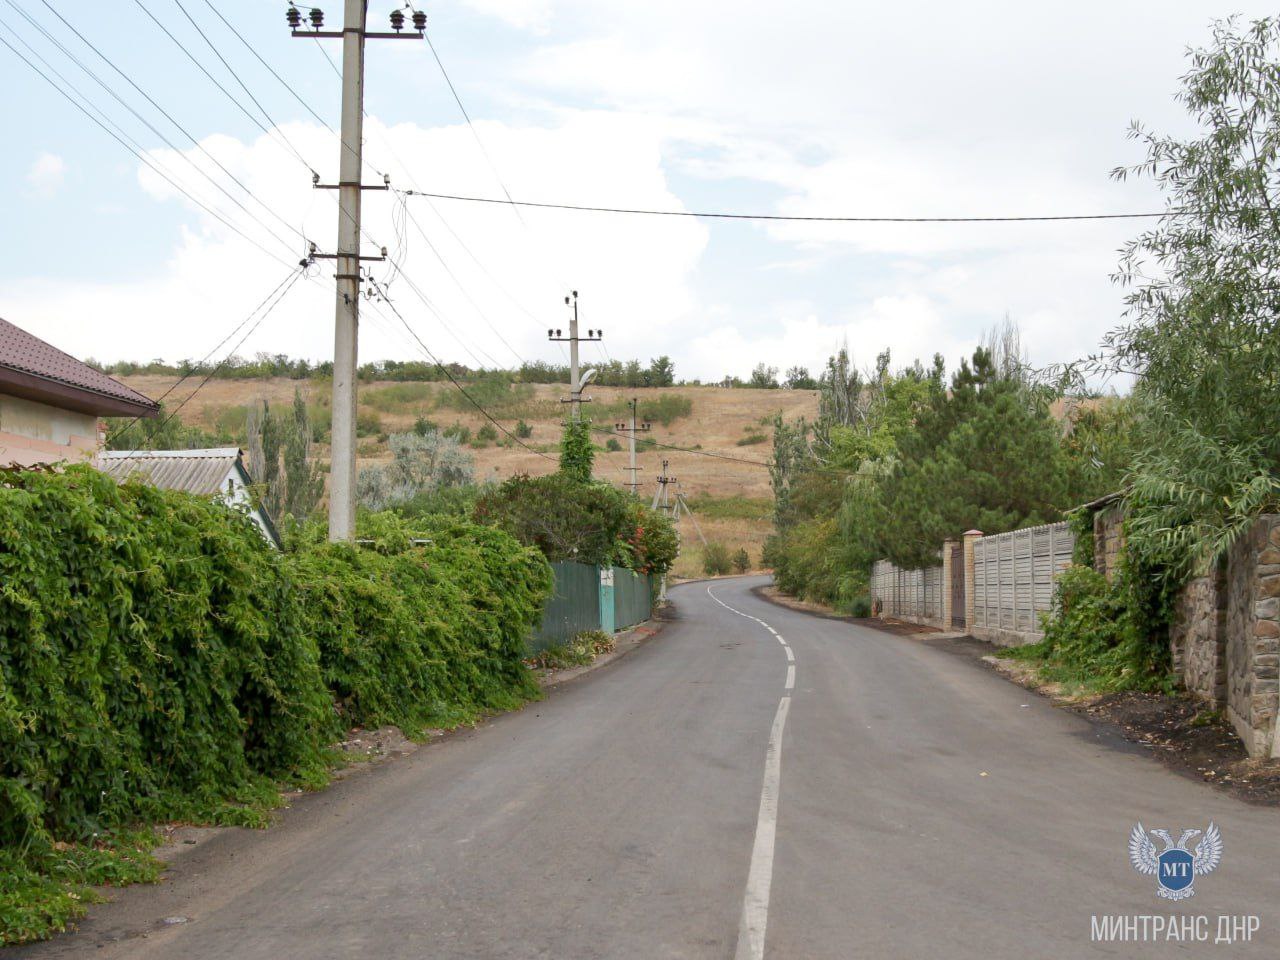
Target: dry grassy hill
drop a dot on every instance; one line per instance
(732, 500)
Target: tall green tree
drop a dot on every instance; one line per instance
(1204, 290)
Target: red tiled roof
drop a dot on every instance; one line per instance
(24, 353)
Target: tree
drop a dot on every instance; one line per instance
(764, 378)
(303, 480)
(798, 378)
(986, 455)
(1200, 330)
(662, 372)
(577, 454)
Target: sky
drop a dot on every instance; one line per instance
(808, 108)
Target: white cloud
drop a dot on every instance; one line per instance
(47, 174)
(522, 14)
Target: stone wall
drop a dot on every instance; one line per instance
(1197, 637)
(1253, 636)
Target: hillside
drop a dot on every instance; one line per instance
(732, 500)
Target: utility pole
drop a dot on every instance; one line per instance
(660, 502)
(631, 431)
(577, 382)
(346, 331)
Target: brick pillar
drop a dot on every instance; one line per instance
(947, 547)
(970, 538)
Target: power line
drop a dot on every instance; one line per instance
(701, 214)
(169, 143)
(472, 127)
(135, 152)
(298, 273)
(452, 379)
(214, 80)
(205, 359)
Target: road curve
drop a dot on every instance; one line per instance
(920, 805)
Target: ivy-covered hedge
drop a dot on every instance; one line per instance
(428, 635)
(159, 661)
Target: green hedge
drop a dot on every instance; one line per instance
(159, 661)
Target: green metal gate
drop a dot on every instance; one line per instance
(632, 598)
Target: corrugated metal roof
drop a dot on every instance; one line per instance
(191, 471)
(29, 354)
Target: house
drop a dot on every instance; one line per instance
(215, 472)
(50, 402)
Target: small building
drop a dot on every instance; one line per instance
(217, 472)
(50, 402)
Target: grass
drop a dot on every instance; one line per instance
(408, 397)
(751, 439)
(665, 409)
(732, 508)
(578, 652)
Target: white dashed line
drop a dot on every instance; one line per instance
(755, 901)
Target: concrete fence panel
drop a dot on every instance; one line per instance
(1013, 578)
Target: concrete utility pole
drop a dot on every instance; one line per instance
(661, 502)
(346, 329)
(631, 431)
(577, 381)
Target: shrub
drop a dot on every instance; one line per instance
(741, 561)
(612, 445)
(420, 465)
(716, 560)
(458, 432)
(398, 396)
(368, 423)
(486, 435)
(751, 439)
(422, 426)
(578, 652)
(523, 430)
(159, 661)
(588, 522)
(1098, 635)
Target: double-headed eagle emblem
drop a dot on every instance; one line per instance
(1175, 868)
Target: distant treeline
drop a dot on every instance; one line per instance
(615, 373)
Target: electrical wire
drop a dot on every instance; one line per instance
(225, 92)
(453, 380)
(205, 359)
(702, 214)
(471, 126)
(169, 143)
(136, 153)
(297, 275)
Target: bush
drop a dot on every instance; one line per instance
(751, 439)
(612, 445)
(485, 435)
(159, 661)
(578, 652)
(422, 426)
(368, 423)
(458, 432)
(715, 560)
(398, 396)
(426, 636)
(523, 430)
(587, 522)
(1097, 635)
(741, 561)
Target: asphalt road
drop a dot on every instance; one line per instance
(899, 801)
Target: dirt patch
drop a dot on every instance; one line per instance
(1187, 736)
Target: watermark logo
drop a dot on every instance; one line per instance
(1175, 868)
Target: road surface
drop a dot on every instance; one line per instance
(895, 800)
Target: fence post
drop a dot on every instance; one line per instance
(971, 537)
(608, 613)
(947, 612)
